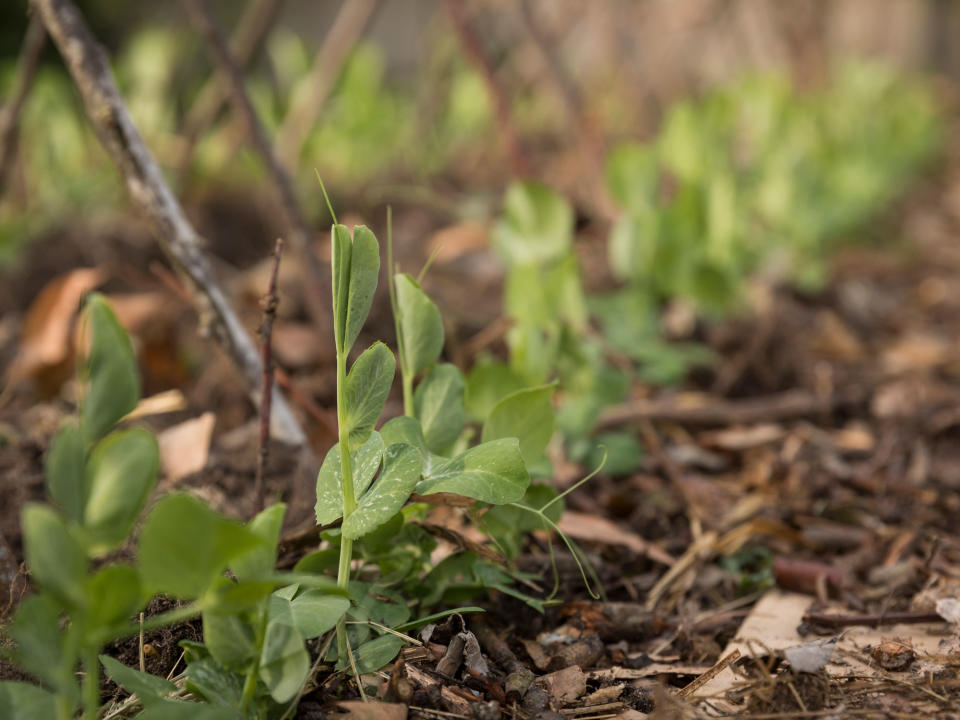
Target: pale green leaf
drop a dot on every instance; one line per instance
(365, 463)
(492, 472)
(316, 611)
(259, 562)
(536, 227)
(55, 559)
(115, 595)
(368, 385)
(364, 270)
(487, 383)
(230, 639)
(63, 471)
(438, 404)
(284, 661)
(341, 251)
(401, 471)
(527, 415)
(421, 326)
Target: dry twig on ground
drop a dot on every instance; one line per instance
(88, 66)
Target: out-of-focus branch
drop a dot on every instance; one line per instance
(591, 144)
(88, 66)
(33, 43)
(245, 44)
(311, 94)
(270, 302)
(475, 53)
(300, 232)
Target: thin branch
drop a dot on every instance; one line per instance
(475, 53)
(300, 232)
(88, 66)
(270, 302)
(245, 44)
(311, 94)
(28, 60)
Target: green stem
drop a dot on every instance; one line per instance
(64, 707)
(253, 673)
(407, 394)
(90, 689)
(349, 501)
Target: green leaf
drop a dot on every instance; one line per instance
(368, 385)
(365, 463)
(487, 383)
(421, 326)
(180, 710)
(633, 175)
(364, 270)
(401, 471)
(536, 227)
(119, 476)
(213, 682)
(114, 595)
(148, 688)
(260, 561)
(493, 473)
(316, 612)
(438, 404)
(40, 643)
(23, 701)
(55, 558)
(373, 655)
(63, 471)
(284, 661)
(112, 371)
(184, 546)
(230, 638)
(526, 415)
(341, 252)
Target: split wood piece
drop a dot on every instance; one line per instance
(873, 620)
(245, 44)
(614, 621)
(34, 41)
(88, 66)
(588, 709)
(519, 676)
(717, 411)
(300, 232)
(724, 663)
(477, 56)
(311, 94)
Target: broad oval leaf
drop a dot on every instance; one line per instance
(112, 371)
(259, 563)
(119, 476)
(364, 270)
(438, 404)
(41, 643)
(23, 701)
(316, 611)
(230, 639)
(115, 595)
(284, 661)
(365, 463)
(368, 385)
(182, 710)
(527, 415)
(63, 471)
(148, 688)
(208, 679)
(488, 383)
(55, 558)
(421, 326)
(492, 473)
(401, 471)
(373, 655)
(536, 227)
(184, 546)
(404, 429)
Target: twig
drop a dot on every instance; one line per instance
(300, 232)
(270, 302)
(471, 45)
(312, 93)
(88, 66)
(34, 42)
(782, 406)
(245, 44)
(699, 682)
(872, 619)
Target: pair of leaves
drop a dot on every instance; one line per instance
(355, 266)
(420, 326)
(367, 387)
(399, 464)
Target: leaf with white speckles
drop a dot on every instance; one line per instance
(492, 472)
(401, 471)
(366, 461)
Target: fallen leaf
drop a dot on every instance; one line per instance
(165, 402)
(360, 710)
(184, 448)
(744, 438)
(949, 609)
(592, 528)
(452, 242)
(564, 686)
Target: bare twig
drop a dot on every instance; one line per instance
(88, 66)
(270, 302)
(245, 44)
(872, 620)
(312, 93)
(27, 61)
(475, 53)
(300, 232)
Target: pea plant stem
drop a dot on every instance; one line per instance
(91, 685)
(349, 501)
